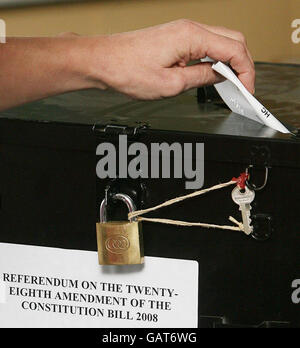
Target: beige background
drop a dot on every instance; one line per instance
(266, 23)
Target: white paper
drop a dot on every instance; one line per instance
(2, 292)
(240, 101)
(175, 284)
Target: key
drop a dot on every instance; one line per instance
(243, 199)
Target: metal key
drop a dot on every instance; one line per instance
(243, 199)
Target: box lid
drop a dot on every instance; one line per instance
(277, 87)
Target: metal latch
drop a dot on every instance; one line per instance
(113, 130)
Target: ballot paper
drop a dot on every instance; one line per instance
(240, 101)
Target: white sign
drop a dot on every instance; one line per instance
(49, 287)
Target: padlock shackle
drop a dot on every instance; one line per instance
(119, 196)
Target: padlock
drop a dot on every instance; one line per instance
(119, 242)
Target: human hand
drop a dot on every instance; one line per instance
(152, 63)
(144, 64)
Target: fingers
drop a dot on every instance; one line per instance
(200, 43)
(197, 75)
(218, 47)
(235, 35)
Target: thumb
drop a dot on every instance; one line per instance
(199, 75)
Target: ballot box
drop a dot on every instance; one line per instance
(53, 180)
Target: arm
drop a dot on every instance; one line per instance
(34, 68)
(145, 64)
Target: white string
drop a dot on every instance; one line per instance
(239, 227)
(138, 213)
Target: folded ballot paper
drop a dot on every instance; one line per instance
(240, 101)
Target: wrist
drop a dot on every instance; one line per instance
(89, 60)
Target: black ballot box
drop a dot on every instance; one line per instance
(50, 191)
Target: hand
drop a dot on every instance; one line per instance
(145, 64)
(152, 63)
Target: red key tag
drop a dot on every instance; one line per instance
(241, 180)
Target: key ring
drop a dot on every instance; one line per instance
(253, 186)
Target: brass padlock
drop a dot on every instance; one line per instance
(119, 242)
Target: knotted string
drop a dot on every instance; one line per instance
(137, 214)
